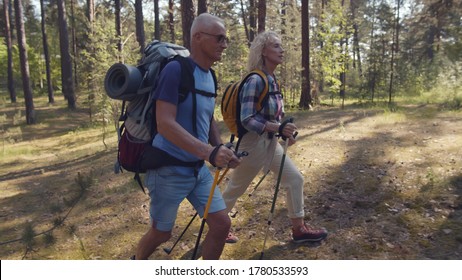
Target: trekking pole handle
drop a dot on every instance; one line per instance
(230, 146)
(242, 154)
(281, 128)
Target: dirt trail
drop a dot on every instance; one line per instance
(387, 185)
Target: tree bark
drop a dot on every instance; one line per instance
(356, 50)
(261, 15)
(187, 17)
(305, 97)
(244, 20)
(171, 22)
(201, 6)
(394, 49)
(140, 37)
(66, 60)
(74, 43)
(156, 20)
(21, 33)
(118, 27)
(46, 54)
(343, 61)
(91, 10)
(8, 33)
(252, 20)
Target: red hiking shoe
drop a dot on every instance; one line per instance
(308, 234)
(231, 238)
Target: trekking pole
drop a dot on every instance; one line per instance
(169, 250)
(206, 212)
(270, 218)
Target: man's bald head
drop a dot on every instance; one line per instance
(204, 23)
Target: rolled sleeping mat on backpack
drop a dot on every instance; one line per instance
(122, 81)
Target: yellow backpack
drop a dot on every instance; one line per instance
(231, 105)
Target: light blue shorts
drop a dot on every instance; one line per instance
(169, 186)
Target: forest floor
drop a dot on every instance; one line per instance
(386, 184)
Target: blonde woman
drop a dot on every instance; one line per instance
(266, 53)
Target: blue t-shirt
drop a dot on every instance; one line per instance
(167, 90)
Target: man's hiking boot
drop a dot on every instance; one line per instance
(231, 238)
(307, 234)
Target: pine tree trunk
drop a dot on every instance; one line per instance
(46, 54)
(394, 49)
(201, 6)
(91, 10)
(187, 17)
(8, 33)
(21, 33)
(139, 24)
(261, 15)
(66, 60)
(171, 23)
(305, 97)
(156, 20)
(118, 27)
(74, 44)
(244, 20)
(252, 20)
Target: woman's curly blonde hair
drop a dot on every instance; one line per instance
(256, 48)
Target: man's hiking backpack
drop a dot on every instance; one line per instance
(231, 104)
(134, 86)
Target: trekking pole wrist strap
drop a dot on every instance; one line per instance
(213, 154)
(283, 124)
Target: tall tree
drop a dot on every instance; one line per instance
(372, 67)
(66, 60)
(21, 33)
(156, 20)
(91, 10)
(252, 19)
(244, 20)
(394, 50)
(8, 32)
(344, 55)
(305, 97)
(74, 42)
(171, 22)
(201, 6)
(187, 17)
(139, 19)
(261, 15)
(356, 50)
(46, 54)
(118, 27)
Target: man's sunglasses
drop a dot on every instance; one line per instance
(220, 38)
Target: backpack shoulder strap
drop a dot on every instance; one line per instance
(187, 83)
(187, 76)
(214, 76)
(265, 90)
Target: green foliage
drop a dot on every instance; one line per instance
(447, 89)
(72, 229)
(328, 56)
(3, 62)
(428, 39)
(84, 181)
(58, 221)
(55, 208)
(28, 235)
(49, 238)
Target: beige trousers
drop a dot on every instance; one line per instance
(261, 150)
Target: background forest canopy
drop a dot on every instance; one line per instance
(359, 50)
